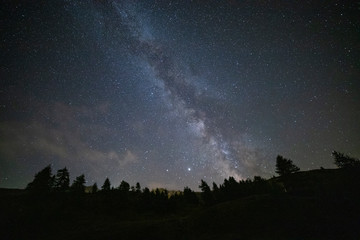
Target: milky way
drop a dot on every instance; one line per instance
(166, 93)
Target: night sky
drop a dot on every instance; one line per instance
(166, 93)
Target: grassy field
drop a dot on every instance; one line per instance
(321, 204)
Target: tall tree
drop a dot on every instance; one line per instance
(78, 185)
(145, 196)
(190, 196)
(106, 186)
(124, 186)
(285, 166)
(94, 188)
(62, 180)
(206, 194)
(215, 187)
(43, 181)
(204, 186)
(345, 161)
(138, 187)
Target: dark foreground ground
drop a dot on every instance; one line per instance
(296, 215)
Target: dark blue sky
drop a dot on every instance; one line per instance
(170, 92)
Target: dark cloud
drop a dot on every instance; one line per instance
(64, 135)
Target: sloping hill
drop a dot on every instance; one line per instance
(318, 204)
(277, 217)
(333, 183)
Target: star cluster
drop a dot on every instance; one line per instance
(166, 93)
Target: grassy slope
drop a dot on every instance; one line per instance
(271, 217)
(256, 217)
(322, 205)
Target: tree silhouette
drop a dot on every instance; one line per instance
(43, 181)
(138, 187)
(62, 180)
(78, 185)
(94, 188)
(285, 166)
(215, 187)
(190, 196)
(216, 192)
(204, 186)
(106, 186)
(231, 184)
(206, 194)
(345, 161)
(124, 186)
(145, 197)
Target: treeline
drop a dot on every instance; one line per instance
(160, 199)
(303, 204)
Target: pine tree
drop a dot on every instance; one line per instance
(124, 186)
(62, 180)
(190, 196)
(94, 188)
(215, 187)
(138, 187)
(78, 185)
(106, 186)
(206, 194)
(285, 166)
(345, 161)
(43, 181)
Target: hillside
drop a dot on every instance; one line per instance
(318, 204)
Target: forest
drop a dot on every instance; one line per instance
(316, 204)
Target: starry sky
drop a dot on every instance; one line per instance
(166, 93)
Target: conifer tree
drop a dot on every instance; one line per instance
(285, 166)
(62, 180)
(345, 161)
(78, 185)
(106, 186)
(43, 181)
